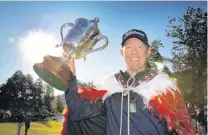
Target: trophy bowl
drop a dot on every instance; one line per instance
(80, 41)
(53, 71)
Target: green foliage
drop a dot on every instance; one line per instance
(87, 84)
(155, 55)
(48, 97)
(20, 92)
(59, 105)
(189, 50)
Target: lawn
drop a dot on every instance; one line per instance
(35, 128)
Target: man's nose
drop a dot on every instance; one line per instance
(134, 50)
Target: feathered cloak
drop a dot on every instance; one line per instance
(159, 92)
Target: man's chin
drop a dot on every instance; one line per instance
(136, 69)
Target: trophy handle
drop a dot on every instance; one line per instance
(102, 47)
(64, 26)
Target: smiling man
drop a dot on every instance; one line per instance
(142, 100)
(135, 50)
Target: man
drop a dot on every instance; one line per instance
(19, 120)
(205, 115)
(27, 123)
(192, 113)
(140, 101)
(201, 122)
(1, 117)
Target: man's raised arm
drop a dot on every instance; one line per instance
(81, 108)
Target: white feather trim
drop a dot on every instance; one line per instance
(110, 84)
(161, 83)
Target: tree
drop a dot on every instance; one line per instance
(4, 98)
(48, 97)
(86, 84)
(16, 90)
(167, 71)
(156, 56)
(189, 50)
(20, 92)
(184, 79)
(38, 94)
(34, 92)
(59, 105)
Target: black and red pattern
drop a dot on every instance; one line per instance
(149, 76)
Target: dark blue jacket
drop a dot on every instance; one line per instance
(142, 122)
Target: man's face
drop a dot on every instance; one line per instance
(135, 53)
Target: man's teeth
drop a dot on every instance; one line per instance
(134, 58)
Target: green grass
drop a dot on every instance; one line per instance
(36, 128)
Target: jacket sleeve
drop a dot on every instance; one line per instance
(80, 109)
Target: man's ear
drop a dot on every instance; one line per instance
(149, 52)
(121, 52)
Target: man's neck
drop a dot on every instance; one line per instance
(132, 73)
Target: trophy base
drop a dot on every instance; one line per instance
(54, 72)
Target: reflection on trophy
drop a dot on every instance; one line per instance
(80, 40)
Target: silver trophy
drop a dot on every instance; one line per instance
(80, 40)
